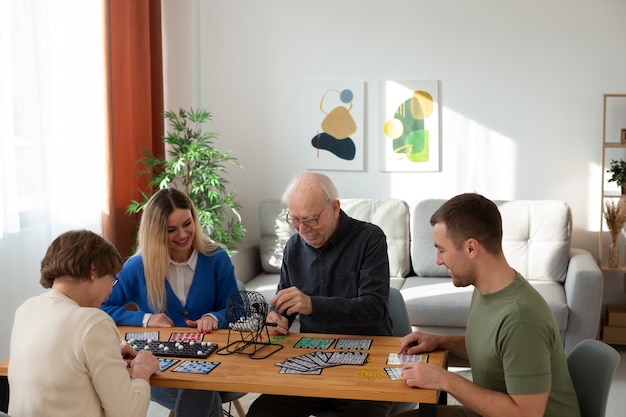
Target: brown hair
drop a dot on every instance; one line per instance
(468, 216)
(75, 253)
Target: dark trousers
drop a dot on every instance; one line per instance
(288, 406)
(4, 394)
(443, 411)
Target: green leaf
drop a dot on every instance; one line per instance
(197, 165)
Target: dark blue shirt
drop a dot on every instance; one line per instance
(347, 279)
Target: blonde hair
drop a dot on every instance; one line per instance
(152, 241)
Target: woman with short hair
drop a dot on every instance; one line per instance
(65, 354)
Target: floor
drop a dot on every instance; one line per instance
(615, 406)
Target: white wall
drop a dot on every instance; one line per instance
(524, 79)
(521, 89)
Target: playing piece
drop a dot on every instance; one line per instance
(312, 363)
(284, 370)
(354, 344)
(141, 336)
(314, 343)
(395, 359)
(319, 358)
(165, 363)
(292, 364)
(348, 358)
(195, 367)
(394, 373)
(186, 337)
(176, 349)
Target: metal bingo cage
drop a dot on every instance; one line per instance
(246, 312)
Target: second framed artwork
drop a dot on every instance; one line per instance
(409, 119)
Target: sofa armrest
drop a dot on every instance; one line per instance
(247, 261)
(584, 286)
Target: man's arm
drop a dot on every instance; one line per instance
(483, 401)
(420, 342)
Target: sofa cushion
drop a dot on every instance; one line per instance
(423, 253)
(435, 301)
(275, 231)
(392, 216)
(536, 238)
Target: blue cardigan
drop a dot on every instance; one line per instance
(213, 283)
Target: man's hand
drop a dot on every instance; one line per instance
(206, 324)
(481, 400)
(291, 300)
(282, 324)
(422, 375)
(418, 342)
(160, 320)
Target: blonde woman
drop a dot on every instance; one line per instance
(178, 277)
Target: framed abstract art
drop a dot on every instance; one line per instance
(334, 131)
(409, 120)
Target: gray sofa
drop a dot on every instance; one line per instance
(536, 242)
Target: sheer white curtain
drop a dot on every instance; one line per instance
(9, 218)
(52, 135)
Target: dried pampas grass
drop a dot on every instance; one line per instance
(615, 216)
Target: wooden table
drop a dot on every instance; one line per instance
(239, 373)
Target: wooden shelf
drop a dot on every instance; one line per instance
(604, 266)
(612, 120)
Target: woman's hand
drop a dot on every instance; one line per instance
(160, 320)
(206, 324)
(128, 353)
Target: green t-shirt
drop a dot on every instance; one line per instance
(514, 346)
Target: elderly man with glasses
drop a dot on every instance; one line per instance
(335, 277)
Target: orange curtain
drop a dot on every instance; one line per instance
(135, 106)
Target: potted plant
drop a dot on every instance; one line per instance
(617, 169)
(196, 167)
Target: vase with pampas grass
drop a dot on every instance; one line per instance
(615, 216)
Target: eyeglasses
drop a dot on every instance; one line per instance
(115, 281)
(310, 221)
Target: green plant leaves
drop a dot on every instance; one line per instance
(198, 167)
(617, 169)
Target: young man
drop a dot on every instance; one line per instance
(335, 276)
(512, 339)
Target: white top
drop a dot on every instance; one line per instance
(180, 275)
(65, 360)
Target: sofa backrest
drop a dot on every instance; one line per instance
(391, 215)
(536, 238)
